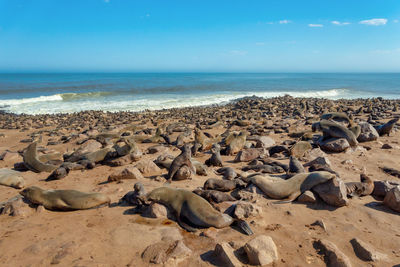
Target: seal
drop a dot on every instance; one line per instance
(387, 127)
(165, 161)
(32, 161)
(64, 200)
(182, 159)
(192, 211)
(223, 185)
(227, 172)
(295, 166)
(236, 144)
(214, 196)
(215, 159)
(11, 178)
(289, 189)
(333, 129)
(363, 188)
(336, 116)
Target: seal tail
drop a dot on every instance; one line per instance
(243, 226)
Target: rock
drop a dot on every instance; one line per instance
(127, 173)
(155, 210)
(265, 142)
(333, 192)
(226, 255)
(249, 154)
(148, 168)
(245, 210)
(336, 145)
(300, 148)
(261, 250)
(386, 146)
(156, 149)
(313, 154)
(319, 223)
(366, 251)
(333, 256)
(318, 161)
(381, 188)
(16, 207)
(179, 251)
(368, 132)
(392, 199)
(307, 197)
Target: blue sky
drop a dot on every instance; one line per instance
(222, 36)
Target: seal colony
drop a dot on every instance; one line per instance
(216, 171)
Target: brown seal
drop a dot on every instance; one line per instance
(215, 159)
(193, 211)
(32, 161)
(363, 188)
(183, 159)
(64, 200)
(214, 196)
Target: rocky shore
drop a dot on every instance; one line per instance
(280, 181)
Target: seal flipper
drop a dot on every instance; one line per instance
(289, 199)
(243, 226)
(185, 225)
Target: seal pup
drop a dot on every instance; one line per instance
(11, 178)
(336, 116)
(192, 211)
(387, 127)
(64, 200)
(223, 185)
(228, 173)
(32, 161)
(215, 159)
(182, 159)
(289, 189)
(362, 188)
(214, 196)
(236, 144)
(333, 129)
(295, 166)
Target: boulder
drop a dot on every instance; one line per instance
(333, 256)
(226, 255)
(392, 199)
(333, 192)
(335, 145)
(307, 197)
(244, 210)
(261, 250)
(148, 168)
(368, 133)
(300, 148)
(381, 188)
(265, 142)
(366, 251)
(127, 173)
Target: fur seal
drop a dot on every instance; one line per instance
(193, 211)
(64, 200)
(11, 178)
(134, 197)
(387, 127)
(236, 144)
(289, 189)
(182, 159)
(332, 129)
(336, 116)
(214, 196)
(165, 161)
(215, 159)
(362, 188)
(295, 166)
(264, 168)
(223, 185)
(32, 161)
(227, 172)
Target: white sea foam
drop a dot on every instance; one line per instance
(59, 104)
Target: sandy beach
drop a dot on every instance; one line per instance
(113, 235)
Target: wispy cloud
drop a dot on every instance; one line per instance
(106, 1)
(260, 43)
(335, 22)
(374, 22)
(315, 25)
(238, 52)
(386, 51)
(395, 20)
(285, 21)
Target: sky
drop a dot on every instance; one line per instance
(199, 36)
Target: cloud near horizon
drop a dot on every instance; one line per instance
(335, 22)
(315, 25)
(374, 22)
(285, 21)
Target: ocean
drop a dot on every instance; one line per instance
(72, 92)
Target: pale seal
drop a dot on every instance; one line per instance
(193, 211)
(64, 200)
(11, 178)
(183, 159)
(289, 189)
